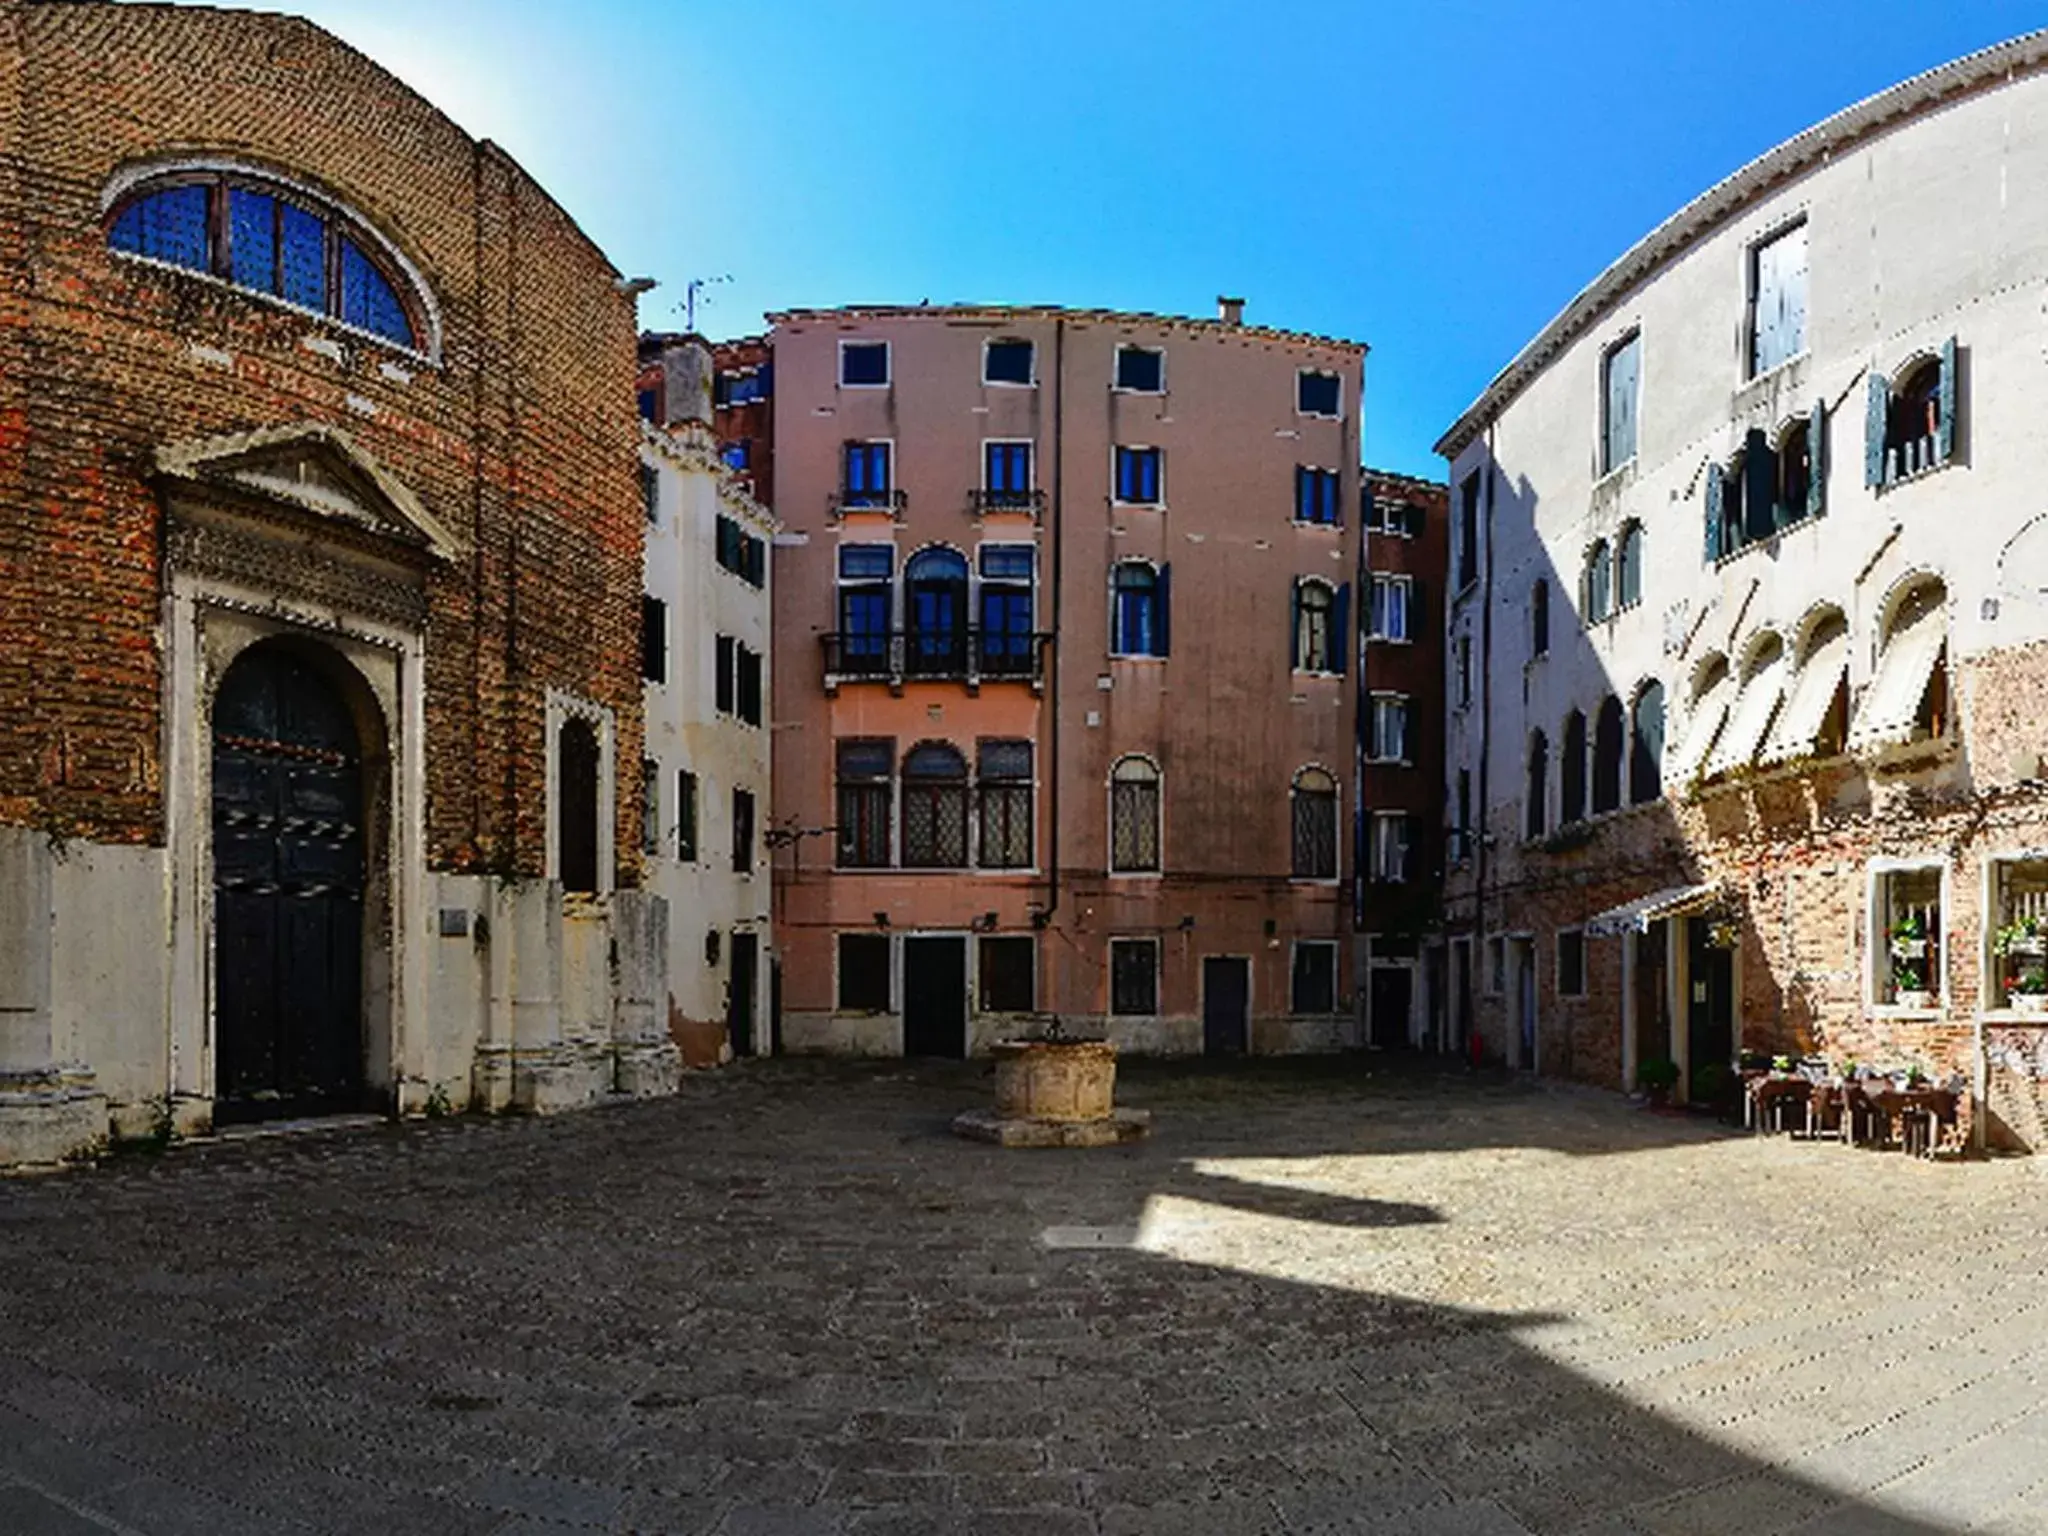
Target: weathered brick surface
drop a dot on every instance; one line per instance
(519, 437)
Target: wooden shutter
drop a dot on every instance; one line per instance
(1759, 486)
(1294, 625)
(722, 686)
(1340, 630)
(1713, 513)
(1877, 406)
(1817, 460)
(1416, 610)
(1945, 436)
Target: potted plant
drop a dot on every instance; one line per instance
(1658, 1077)
(1908, 948)
(2023, 945)
(2028, 989)
(1713, 1087)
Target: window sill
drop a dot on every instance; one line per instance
(1615, 478)
(1389, 640)
(1136, 656)
(1316, 522)
(1891, 482)
(2009, 1018)
(1318, 882)
(1898, 1015)
(1761, 383)
(1135, 874)
(1321, 672)
(1137, 506)
(1009, 384)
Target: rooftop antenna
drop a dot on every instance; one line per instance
(691, 289)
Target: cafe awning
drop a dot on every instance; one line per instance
(1636, 916)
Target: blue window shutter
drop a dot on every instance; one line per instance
(1301, 493)
(1165, 590)
(1817, 460)
(1340, 628)
(1945, 437)
(1416, 608)
(1150, 473)
(1713, 513)
(1877, 405)
(1123, 474)
(1759, 485)
(1294, 625)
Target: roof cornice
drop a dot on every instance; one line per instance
(1888, 109)
(999, 313)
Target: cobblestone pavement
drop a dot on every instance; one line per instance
(1322, 1298)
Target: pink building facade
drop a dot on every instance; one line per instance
(1065, 683)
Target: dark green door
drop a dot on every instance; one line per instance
(1710, 999)
(287, 891)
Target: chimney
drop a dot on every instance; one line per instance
(686, 380)
(1229, 311)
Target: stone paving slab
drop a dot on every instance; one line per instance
(1340, 1296)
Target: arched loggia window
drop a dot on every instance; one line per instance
(1646, 752)
(935, 613)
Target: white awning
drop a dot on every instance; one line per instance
(1636, 916)
(1891, 704)
(1750, 718)
(1709, 710)
(1797, 733)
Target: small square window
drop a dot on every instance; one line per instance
(864, 363)
(1571, 963)
(1137, 476)
(1008, 966)
(1142, 370)
(737, 454)
(1008, 362)
(1315, 495)
(1318, 394)
(650, 493)
(1133, 976)
(864, 972)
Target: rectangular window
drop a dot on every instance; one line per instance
(1006, 473)
(737, 454)
(1463, 811)
(1571, 963)
(649, 401)
(1908, 947)
(754, 567)
(749, 680)
(650, 494)
(729, 544)
(1620, 380)
(864, 363)
(1134, 817)
(1390, 842)
(1137, 476)
(1315, 495)
(650, 806)
(1390, 595)
(866, 799)
(1315, 977)
(864, 972)
(1007, 362)
(1008, 970)
(869, 475)
(1496, 966)
(1318, 394)
(1468, 530)
(1007, 646)
(2019, 935)
(866, 591)
(1133, 976)
(1316, 647)
(1003, 775)
(653, 639)
(1777, 289)
(742, 831)
(722, 683)
(1539, 619)
(1314, 851)
(1389, 743)
(686, 816)
(1140, 613)
(1142, 370)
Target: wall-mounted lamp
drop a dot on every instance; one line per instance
(1187, 923)
(986, 923)
(881, 919)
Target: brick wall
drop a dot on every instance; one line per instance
(520, 436)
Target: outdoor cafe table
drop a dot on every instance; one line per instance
(1768, 1091)
(1912, 1117)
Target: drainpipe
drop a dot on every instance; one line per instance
(1043, 918)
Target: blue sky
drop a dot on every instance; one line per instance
(1435, 179)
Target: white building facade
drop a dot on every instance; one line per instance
(1749, 624)
(705, 659)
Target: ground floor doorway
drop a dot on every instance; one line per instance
(1226, 1005)
(1390, 991)
(935, 996)
(1710, 1006)
(741, 986)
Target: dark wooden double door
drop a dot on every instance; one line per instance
(287, 891)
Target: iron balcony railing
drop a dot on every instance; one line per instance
(971, 655)
(844, 501)
(981, 503)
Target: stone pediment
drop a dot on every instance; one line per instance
(317, 469)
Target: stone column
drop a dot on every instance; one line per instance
(48, 1111)
(648, 1062)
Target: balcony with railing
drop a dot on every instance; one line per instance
(842, 503)
(983, 503)
(973, 656)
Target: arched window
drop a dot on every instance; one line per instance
(1571, 771)
(576, 829)
(1762, 688)
(1914, 426)
(1628, 567)
(1707, 701)
(1907, 700)
(1596, 583)
(1607, 748)
(1314, 633)
(1138, 619)
(272, 239)
(1134, 815)
(1315, 825)
(935, 613)
(934, 808)
(1814, 721)
(1646, 751)
(1795, 472)
(1537, 788)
